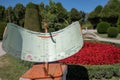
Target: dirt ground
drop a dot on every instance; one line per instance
(2, 52)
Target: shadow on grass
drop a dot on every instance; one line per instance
(77, 72)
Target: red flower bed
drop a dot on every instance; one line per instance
(94, 53)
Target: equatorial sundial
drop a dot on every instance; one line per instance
(42, 47)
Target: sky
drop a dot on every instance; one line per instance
(81, 5)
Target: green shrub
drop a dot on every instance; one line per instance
(117, 70)
(103, 71)
(112, 32)
(98, 74)
(2, 27)
(118, 27)
(109, 73)
(102, 27)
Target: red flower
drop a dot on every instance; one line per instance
(94, 53)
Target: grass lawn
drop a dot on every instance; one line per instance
(12, 68)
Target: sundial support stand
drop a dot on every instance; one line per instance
(56, 71)
(46, 71)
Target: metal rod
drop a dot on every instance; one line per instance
(46, 31)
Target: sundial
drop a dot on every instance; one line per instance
(42, 47)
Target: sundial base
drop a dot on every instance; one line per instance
(55, 71)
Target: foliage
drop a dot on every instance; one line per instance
(2, 27)
(21, 22)
(96, 12)
(111, 9)
(74, 15)
(61, 13)
(118, 27)
(112, 20)
(109, 73)
(117, 70)
(83, 18)
(32, 21)
(55, 15)
(102, 27)
(103, 71)
(51, 30)
(31, 5)
(94, 21)
(19, 12)
(2, 9)
(87, 25)
(118, 21)
(10, 17)
(112, 32)
(94, 17)
(42, 10)
(109, 13)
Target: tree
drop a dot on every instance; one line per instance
(41, 9)
(61, 13)
(111, 11)
(2, 9)
(9, 14)
(94, 17)
(19, 11)
(75, 15)
(96, 12)
(41, 6)
(83, 17)
(2, 28)
(55, 15)
(53, 7)
(118, 21)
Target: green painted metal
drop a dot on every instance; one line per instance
(41, 47)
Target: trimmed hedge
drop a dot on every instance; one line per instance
(102, 27)
(112, 32)
(88, 72)
(32, 19)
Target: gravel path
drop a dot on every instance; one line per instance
(90, 34)
(2, 52)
